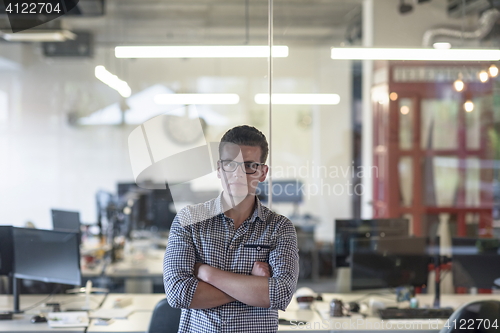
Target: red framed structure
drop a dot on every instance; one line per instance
(420, 85)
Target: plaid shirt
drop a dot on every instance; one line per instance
(202, 233)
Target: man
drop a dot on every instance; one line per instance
(230, 262)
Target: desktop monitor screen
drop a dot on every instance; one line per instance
(283, 191)
(345, 230)
(151, 209)
(65, 220)
(124, 188)
(475, 262)
(161, 215)
(47, 255)
(389, 262)
(5, 250)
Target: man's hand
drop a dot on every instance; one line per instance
(261, 269)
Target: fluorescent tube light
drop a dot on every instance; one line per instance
(415, 54)
(38, 36)
(185, 99)
(113, 81)
(244, 51)
(300, 99)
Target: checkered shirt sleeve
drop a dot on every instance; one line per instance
(178, 264)
(284, 261)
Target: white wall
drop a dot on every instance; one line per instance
(45, 162)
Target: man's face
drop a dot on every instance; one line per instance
(238, 184)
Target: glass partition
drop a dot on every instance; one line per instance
(365, 134)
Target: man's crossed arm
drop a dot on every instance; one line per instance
(209, 287)
(217, 287)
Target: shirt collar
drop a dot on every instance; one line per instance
(257, 213)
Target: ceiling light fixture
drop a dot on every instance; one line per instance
(360, 53)
(459, 85)
(493, 70)
(299, 99)
(188, 99)
(244, 51)
(38, 36)
(483, 76)
(469, 106)
(113, 81)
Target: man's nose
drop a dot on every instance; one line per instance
(240, 171)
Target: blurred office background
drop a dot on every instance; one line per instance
(399, 140)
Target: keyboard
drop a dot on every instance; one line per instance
(421, 313)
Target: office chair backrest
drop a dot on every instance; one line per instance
(484, 316)
(165, 318)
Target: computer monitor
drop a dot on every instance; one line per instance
(151, 210)
(283, 191)
(6, 256)
(159, 205)
(475, 262)
(345, 230)
(45, 255)
(389, 262)
(65, 220)
(124, 188)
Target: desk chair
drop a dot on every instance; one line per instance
(165, 318)
(484, 310)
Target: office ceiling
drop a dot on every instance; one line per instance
(185, 22)
(219, 21)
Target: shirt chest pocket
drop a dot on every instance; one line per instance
(256, 252)
(247, 254)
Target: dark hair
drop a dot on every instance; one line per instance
(245, 135)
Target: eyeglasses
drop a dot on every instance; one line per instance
(231, 166)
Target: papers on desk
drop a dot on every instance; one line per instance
(68, 319)
(111, 313)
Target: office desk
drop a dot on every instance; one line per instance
(357, 324)
(67, 301)
(140, 302)
(139, 271)
(315, 320)
(21, 322)
(137, 322)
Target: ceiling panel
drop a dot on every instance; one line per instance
(167, 22)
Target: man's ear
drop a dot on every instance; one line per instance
(265, 170)
(218, 170)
